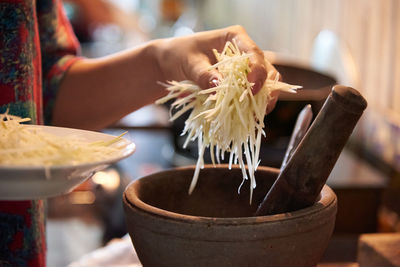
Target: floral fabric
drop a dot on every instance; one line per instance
(37, 46)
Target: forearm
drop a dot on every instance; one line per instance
(97, 92)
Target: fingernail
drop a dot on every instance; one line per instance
(214, 82)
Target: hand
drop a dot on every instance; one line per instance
(126, 81)
(189, 57)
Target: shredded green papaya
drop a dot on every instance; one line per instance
(227, 118)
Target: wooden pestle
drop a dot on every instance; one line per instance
(301, 180)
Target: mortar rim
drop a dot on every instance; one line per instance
(327, 199)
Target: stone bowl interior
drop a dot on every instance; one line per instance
(213, 195)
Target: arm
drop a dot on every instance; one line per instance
(97, 92)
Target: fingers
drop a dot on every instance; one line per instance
(198, 66)
(258, 72)
(257, 76)
(200, 73)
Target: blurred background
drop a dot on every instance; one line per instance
(314, 43)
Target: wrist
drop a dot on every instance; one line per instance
(155, 53)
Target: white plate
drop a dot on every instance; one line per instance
(38, 182)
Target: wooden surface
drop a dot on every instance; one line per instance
(379, 250)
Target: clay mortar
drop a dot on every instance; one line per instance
(214, 226)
